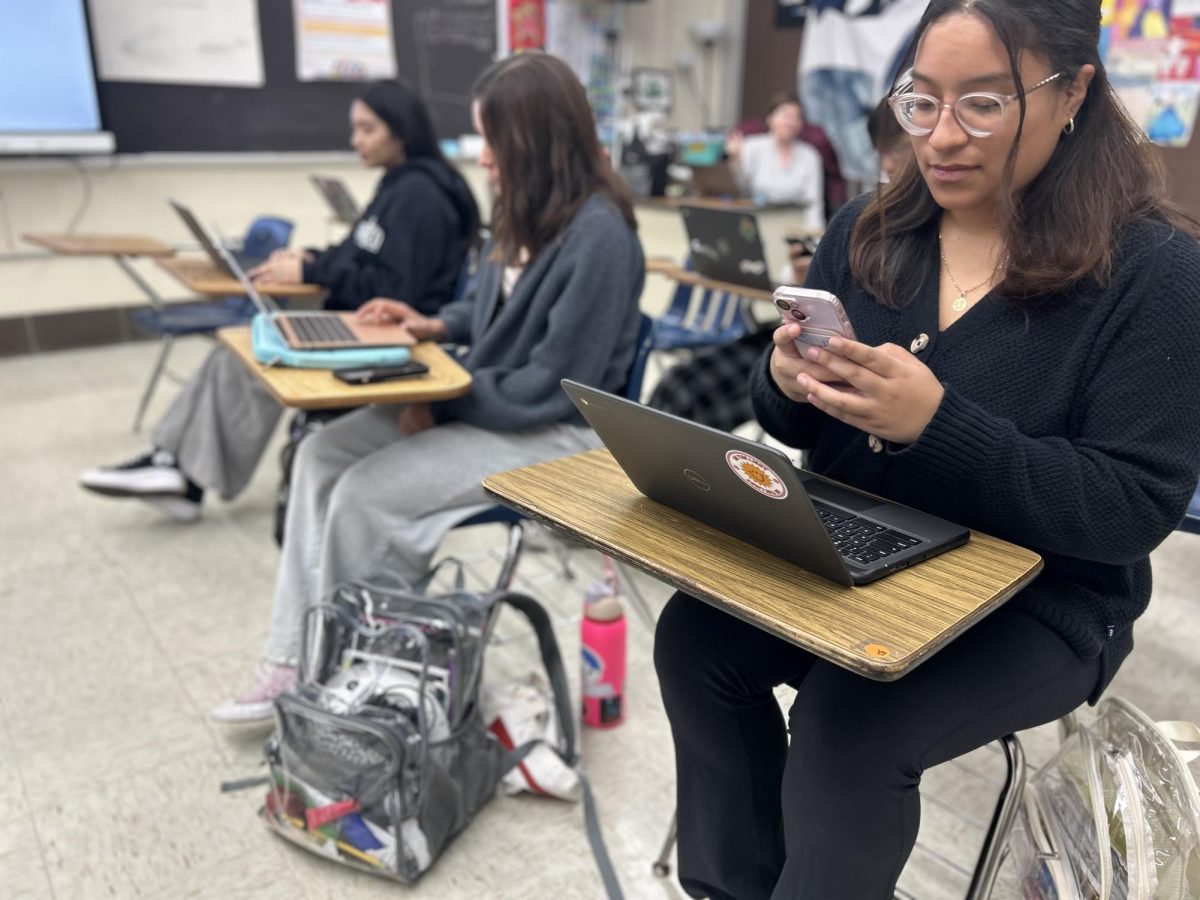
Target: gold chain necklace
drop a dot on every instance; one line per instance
(960, 302)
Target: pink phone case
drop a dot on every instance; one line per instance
(818, 313)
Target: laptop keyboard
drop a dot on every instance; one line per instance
(861, 540)
(322, 330)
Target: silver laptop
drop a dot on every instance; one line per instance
(337, 195)
(725, 245)
(753, 492)
(207, 244)
(315, 330)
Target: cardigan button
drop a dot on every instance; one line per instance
(874, 443)
(920, 342)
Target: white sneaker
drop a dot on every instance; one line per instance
(258, 704)
(149, 474)
(152, 477)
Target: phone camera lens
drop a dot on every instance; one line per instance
(801, 316)
(783, 305)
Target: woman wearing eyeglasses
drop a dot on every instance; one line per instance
(1028, 306)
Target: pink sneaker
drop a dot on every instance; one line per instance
(258, 704)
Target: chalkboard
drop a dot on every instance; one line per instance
(441, 46)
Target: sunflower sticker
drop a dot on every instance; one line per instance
(757, 474)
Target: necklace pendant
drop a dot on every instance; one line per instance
(960, 303)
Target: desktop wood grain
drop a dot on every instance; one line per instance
(881, 630)
(318, 389)
(100, 244)
(685, 276)
(199, 275)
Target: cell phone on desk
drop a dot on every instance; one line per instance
(818, 313)
(373, 374)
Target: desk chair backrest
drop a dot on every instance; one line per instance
(266, 234)
(641, 356)
(700, 317)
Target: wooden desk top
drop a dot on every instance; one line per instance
(684, 276)
(100, 244)
(880, 630)
(198, 274)
(318, 389)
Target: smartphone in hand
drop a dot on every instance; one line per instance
(818, 313)
(373, 374)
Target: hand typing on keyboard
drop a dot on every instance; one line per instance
(382, 311)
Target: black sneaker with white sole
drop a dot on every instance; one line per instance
(153, 477)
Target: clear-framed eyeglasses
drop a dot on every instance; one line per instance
(980, 114)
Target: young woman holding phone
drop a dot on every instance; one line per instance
(556, 296)
(1027, 308)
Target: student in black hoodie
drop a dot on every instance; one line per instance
(410, 243)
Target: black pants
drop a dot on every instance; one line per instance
(832, 815)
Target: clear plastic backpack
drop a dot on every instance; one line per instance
(1115, 815)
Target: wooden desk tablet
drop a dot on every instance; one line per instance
(318, 389)
(880, 630)
(684, 276)
(199, 275)
(99, 244)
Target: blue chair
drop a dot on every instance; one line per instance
(265, 234)
(1191, 519)
(700, 317)
(516, 522)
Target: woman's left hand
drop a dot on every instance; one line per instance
(414, 418)
(891, 393)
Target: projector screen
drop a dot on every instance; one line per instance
(47, 83)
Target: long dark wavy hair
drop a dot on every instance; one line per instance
(1064, 226)
(538, 123)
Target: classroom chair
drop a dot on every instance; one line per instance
(1191, 519)
(265, 234)
(516, 521)
(700, 317)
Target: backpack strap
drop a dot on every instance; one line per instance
(539, 620)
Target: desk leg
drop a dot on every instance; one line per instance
(159, 364)
(151, 294)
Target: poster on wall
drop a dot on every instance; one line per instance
(526, 25)
(339, 41)
(1151, 49)
(212, 42)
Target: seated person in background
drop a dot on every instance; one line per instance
(777, 167)
(713, 387)
(1027, 303)
(555, 296)
(411, 242)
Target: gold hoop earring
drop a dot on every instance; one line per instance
(1070, 129)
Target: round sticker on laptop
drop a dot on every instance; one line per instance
(757, 474)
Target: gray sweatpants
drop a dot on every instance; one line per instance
(220, 424)
(368, 501)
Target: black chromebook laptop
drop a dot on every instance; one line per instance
(725, 245)
(753, 492)
(208, 245)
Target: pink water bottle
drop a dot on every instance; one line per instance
(603, 640)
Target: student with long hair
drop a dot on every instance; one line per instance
(555, 296)
(411, 242)
(1027, 304)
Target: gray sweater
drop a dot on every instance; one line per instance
(573, 314)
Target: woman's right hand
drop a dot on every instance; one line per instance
(733, 145)
(787, 365)
(382, 311)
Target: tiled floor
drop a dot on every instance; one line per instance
(119, 630)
